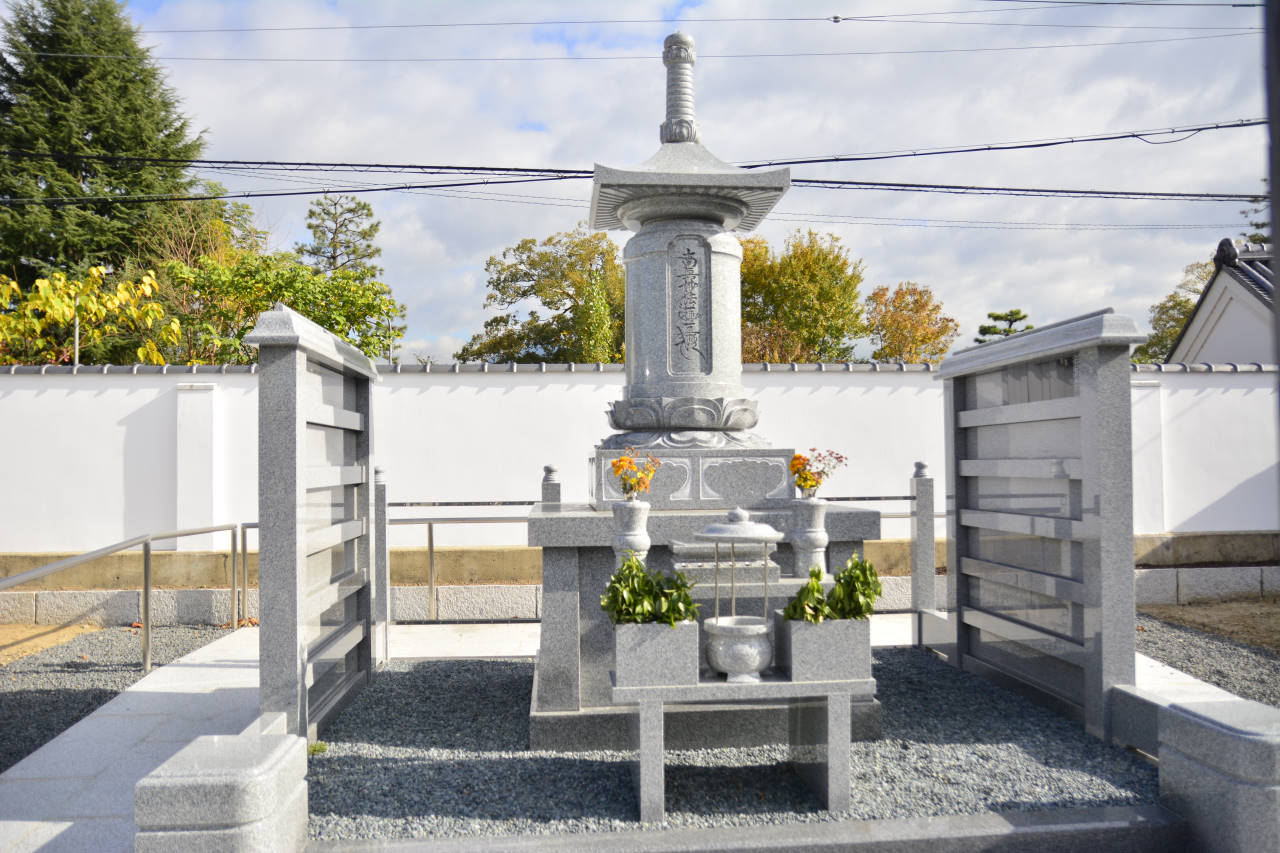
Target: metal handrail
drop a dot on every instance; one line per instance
(431, 531)
(145, 541)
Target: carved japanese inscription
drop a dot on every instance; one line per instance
(689, 306)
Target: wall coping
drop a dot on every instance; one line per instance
(542, 367)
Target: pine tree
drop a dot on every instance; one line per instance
(342, 232)
(75, 81)
(992, 332)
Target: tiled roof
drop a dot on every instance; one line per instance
(1253, 270)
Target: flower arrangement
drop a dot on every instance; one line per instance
(810, 472)
(634, 479)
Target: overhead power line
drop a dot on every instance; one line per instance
(892, 18)
(956, 189)
(1184, 131)
(1148, 3)
(110, 201)
(638, 57)
(959, 189)
(1189, 130)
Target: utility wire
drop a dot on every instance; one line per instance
(1148, 3)
(1190, 130)
(893, 18)
(1024, 191)
(801, 182)
(295, 165)
(406, 168)
(108, 201)
(632, 58)
(841, 219)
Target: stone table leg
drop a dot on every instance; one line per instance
(647, 772)
(819, 730)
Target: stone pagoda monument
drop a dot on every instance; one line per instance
(684, 401)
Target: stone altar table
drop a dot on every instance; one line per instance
(819, 716)
(572, 707)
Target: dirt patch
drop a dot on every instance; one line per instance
(1254, 622)
(18, 641)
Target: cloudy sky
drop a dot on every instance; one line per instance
(566, 85)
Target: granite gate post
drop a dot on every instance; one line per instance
(316, 581)
(1040, 524)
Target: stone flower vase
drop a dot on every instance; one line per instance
(808, 534)
(631, 529)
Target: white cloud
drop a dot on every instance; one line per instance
(493, 113)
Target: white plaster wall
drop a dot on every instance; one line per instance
(92, 459)
(1220, 446)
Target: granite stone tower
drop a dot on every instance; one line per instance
(683, 399)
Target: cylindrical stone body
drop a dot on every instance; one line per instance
(684, 332)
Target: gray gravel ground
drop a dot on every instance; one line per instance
(44, 693)
(440, 749)
(1247, 671)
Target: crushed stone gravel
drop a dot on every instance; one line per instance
(439, 749)
(1248, 671)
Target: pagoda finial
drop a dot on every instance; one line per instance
(678, 55)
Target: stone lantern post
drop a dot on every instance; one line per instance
(683, 400)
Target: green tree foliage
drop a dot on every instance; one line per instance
(1170, 314)
(802, 304)
(218, 304)
(186, 231)
(907, 324)
(65, 93)
(577, 279)
(120, 322)
(993, 331)
(342, 233)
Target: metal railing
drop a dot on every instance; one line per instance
(145, 541)
(432, 521)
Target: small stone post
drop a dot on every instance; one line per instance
(550, 485)
(923, 596)
(381, 579)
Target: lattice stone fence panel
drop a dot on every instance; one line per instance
(1040, 521)
(318, 587)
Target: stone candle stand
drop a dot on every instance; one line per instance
(739, 646)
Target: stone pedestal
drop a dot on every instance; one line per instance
(704, 478)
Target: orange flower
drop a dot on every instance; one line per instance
(634, 480)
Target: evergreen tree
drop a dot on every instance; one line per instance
(992, 332)
(74, 83)
(342, 231)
